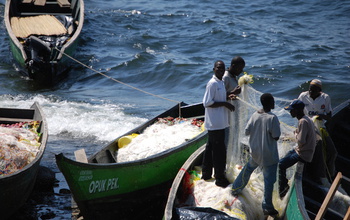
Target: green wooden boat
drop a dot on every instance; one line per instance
(36, 28)
(305, 196)
(16, 187)
(106, 189)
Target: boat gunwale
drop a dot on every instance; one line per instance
(77, 30)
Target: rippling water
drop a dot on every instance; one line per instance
(168, 48)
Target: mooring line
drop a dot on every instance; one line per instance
(118, 81)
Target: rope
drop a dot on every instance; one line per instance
(118, 81)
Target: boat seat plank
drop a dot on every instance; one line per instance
(48, 25)
(63, 3)
(3, 120)
(40, 2)
(27, 1)
(80, 156)
(329, 197)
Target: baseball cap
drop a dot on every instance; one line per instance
(296, 104)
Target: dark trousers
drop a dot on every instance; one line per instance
(287, 161)
(215, 155)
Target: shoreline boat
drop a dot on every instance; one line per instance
(36, 28)
(106, 189)
(305, 197)
(15, 188)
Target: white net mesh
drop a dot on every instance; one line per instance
(248, 205)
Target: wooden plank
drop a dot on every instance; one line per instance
(37, 25)
(329, 197)
(80, 156)
(27, 1)
(63, 3)
(15, 120)
(347, 216)
(40, 2)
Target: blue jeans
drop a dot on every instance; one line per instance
(269, 173)
(287, 161)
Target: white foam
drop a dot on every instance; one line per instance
(103, 122)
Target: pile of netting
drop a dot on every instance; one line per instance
(165, 134)
(19, 145)
(248, 204)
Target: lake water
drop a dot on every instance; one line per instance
(168, 48)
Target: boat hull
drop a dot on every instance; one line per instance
(15, 188)
(107, 190)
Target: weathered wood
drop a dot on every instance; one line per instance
(347, 216)
(63, 3)
(40, 2)
(329, 197)
(80, 156)
(14, 120)
(37, 25)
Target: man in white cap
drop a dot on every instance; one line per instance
(317, 103)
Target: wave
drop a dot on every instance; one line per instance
(72, 119)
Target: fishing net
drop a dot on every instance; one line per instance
(165, 134)
(19, 145)
(248, 204)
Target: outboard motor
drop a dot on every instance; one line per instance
(40, 52)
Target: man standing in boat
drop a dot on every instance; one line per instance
(264, 131)
(216, 120)
(231, 85)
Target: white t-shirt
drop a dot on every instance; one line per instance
(320, 106)
(263, 128)
(215, 118)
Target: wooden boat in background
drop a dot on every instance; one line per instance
(305, 196)
(36, 28)
(106, 189)
(15, 188)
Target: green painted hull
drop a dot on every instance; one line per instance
(15, 188)
(296, 206)
(109, 186)
(56, 64)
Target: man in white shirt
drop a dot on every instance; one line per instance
(317, 103)
(216, 120)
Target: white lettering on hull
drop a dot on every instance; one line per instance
(103, 185)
